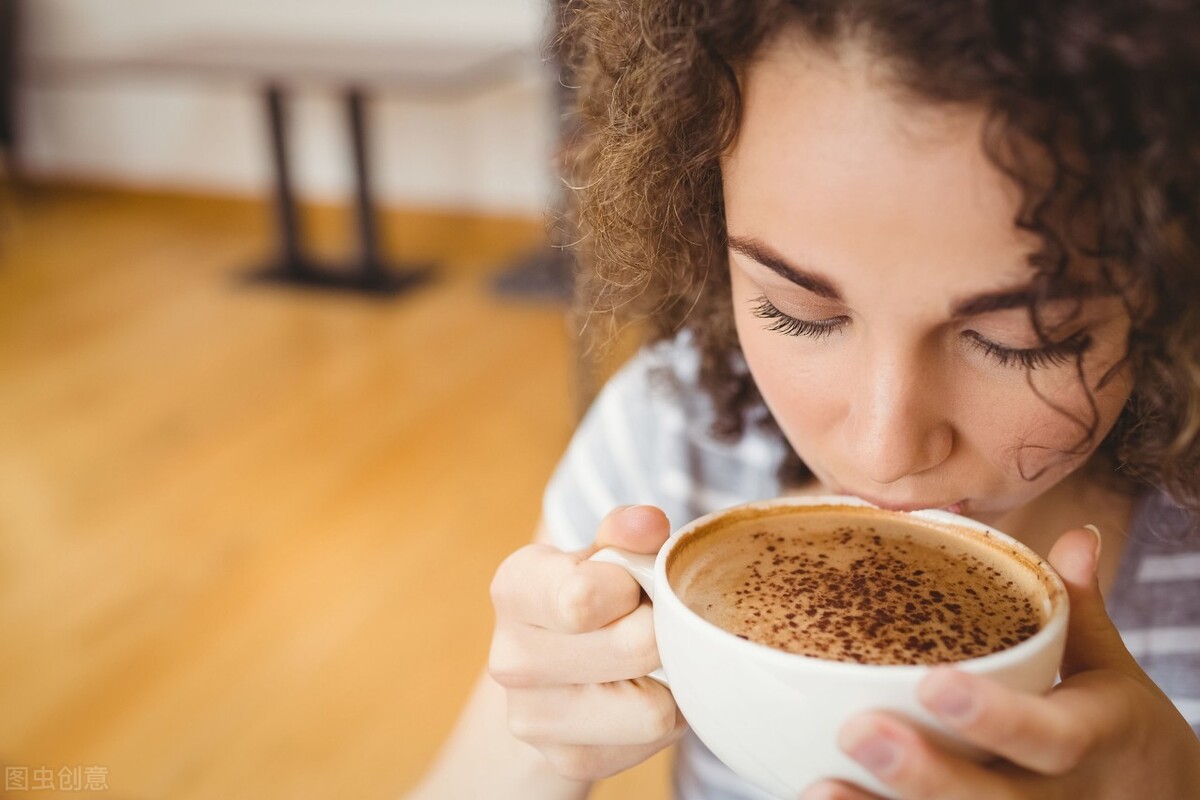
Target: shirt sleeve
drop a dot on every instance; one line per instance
(611, 459)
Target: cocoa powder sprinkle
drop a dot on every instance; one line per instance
(858, 595)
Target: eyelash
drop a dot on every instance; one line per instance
(1055, 354)
(796, 327)
(1051, 355)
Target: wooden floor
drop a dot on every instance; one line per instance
(246, 533)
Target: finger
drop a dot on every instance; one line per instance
(524, 656)
(639, 529)
(542, 586)
(1046, 734)
(836, 790)
(908, 763)
(639, 711)
(1092, 640)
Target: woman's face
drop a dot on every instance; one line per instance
(877, 288)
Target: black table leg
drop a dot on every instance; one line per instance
(287, 215)
(292, 266)
(364, 205)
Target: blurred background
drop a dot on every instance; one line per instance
(284, 366)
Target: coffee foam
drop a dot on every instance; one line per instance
(859, 585)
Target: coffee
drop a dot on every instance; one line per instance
(859, 586)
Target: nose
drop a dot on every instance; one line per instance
(897, 425)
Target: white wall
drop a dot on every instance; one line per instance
(490, 152)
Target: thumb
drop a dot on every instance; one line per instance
(638, 529)
(1092, 640)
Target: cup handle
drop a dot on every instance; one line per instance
(641, 567)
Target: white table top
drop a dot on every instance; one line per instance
(417, 66)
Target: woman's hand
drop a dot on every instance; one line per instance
(573, 639)
(1105, 732)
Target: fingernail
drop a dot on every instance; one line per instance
(953, 703)
(1099, 540)
(877, 753)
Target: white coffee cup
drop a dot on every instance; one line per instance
(773, 716)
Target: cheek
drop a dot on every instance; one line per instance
(805, 396)
(1048, 425)
(799, 382)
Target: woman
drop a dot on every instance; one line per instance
(932, 254)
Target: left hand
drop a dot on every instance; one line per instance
(1106, 731)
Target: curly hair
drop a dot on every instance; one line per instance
(1105, 94)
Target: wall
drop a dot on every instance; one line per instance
(490, 152)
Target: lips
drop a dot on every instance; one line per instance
(954, 507)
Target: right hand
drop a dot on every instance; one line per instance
(572, 644)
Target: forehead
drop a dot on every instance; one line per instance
(834, 165)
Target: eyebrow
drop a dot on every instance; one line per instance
(1021, 298)
(818, 284)
(756, 250)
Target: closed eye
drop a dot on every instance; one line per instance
(1054, 354)
(790, 326)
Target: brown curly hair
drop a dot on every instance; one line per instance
(1107, 92)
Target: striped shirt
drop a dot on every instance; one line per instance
(646, 440)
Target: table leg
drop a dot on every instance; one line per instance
(374, 275)
(364, 205)
(291, 256)
(368, 274)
